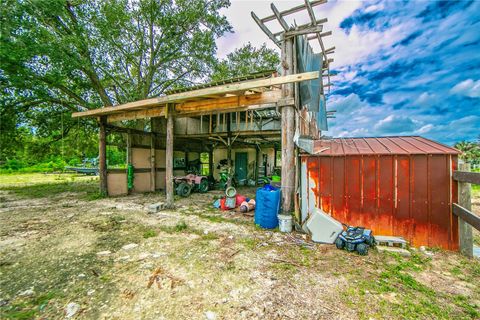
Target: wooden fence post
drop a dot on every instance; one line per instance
(464, 229)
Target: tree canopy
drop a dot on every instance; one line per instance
(61, 56)
(246, 60)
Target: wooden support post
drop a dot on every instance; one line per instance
(129, 154)
(129, 147)
(288, 131)
(257, 164)
(259, 161)
(464, 229)
(275, 156)
(152, 163)
(169, 161)
(210, 161)
(102, 155)
(229, 141)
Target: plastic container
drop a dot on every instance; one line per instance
(285, 222)
(267, 207)
(230, 192)
(276, 178)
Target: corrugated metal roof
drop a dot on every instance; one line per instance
(381, 145)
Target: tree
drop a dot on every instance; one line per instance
(244, 61)
(470, 151)
(59, 56)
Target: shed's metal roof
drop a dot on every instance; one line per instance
(381, 145)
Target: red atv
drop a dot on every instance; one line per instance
(191, 182)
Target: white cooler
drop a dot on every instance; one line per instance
(323, 227)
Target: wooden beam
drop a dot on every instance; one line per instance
(139, 114)
(469, 177)
(246, 133)
(227, 88)
(467, 216)
(228, 104)
(303, 26)
(305, 30)
(293, 10)
(324, 34)
(309, 7)
(288, 132)
(264, 29)
(279, 17)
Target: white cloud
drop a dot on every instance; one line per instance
(468, 88)
(395, 124)
(425, 129)
(426, 99)
(346, 104)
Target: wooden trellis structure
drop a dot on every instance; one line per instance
(231, 111)
(289, 107)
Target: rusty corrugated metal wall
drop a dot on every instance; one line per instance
(407, 195)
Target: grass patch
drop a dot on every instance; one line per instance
(29, 308)
(250, 243)
(396, 277)
(150, 234)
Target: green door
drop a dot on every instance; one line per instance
(241, 161)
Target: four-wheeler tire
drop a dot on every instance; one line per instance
(203, 186)
(339, 243)
(371, 241)
(183, 189)
(362, 249)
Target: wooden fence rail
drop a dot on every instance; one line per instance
(466, 176)
(466, 218)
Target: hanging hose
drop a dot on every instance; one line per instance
(130, 176)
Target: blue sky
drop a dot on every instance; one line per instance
(404, 68)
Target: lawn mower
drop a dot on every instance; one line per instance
(355, 239)
(190, 183)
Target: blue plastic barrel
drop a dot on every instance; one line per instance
(267, 206)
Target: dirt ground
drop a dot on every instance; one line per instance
(66, 252)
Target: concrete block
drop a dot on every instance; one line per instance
(156, 207)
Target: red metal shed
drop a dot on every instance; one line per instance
(400, 186)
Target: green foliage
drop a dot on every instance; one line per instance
(150, 233)
(59, 56)
(244, 61)
(470, 151)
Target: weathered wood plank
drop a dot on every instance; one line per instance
(279, 17)
(465, 235)
(467, 216)
(288, 131)
(293, 10)
(306, 30)
(227, 88)
(139, 114)
(264, 28)
(206, 107)
(469, 177)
